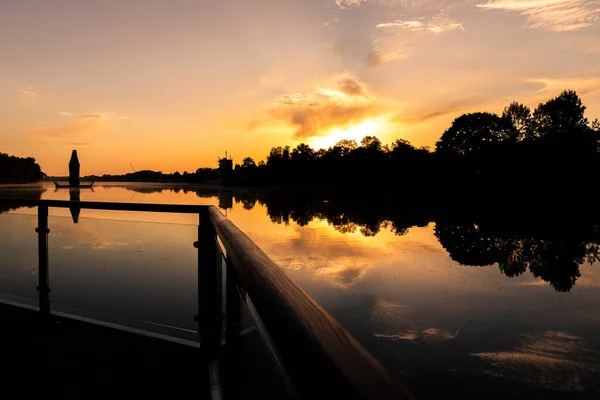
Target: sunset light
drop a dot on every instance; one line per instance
(300, 199)
(370, 127)
(172, 84)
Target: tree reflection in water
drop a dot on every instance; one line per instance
(28, 192)
(552, 248)
(555, 260)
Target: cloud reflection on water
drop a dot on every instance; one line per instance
(552, 359)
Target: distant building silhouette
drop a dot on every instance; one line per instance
(225, 169)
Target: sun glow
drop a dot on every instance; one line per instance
(369, 127)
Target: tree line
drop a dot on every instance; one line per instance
(533, 153)
(555, 144)
(19, 170)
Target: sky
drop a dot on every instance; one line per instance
(170, 85)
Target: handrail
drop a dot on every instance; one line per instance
(320, 355)
(323, 360)
(107, 205)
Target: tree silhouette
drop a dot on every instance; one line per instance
(471, 133)
(519, 116)
(371, 143)
(481, 155)
(303, 153)
(19, 170)
(248, 162)
(560, 115)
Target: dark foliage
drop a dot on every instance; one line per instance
(519, 155)
(19, 170)
(31, 192)
(515, 238)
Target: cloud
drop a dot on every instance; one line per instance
(429, 336)
(410, 25)
(437, 24)
(443, 23)
(106, 116)
(77, 127)
(544, 357)
(340, 262)
(405, 4)
(336, 104)
(28, 96)
(388, 48)
(357, 3)
(550, 87)
(29, 91)
(351, 86)
(349, 3)
(456, 106)
(394, 39)
(552, 15)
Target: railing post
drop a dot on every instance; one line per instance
(209, 299)
(43, 273)
(233, 310)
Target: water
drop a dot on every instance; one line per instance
(482, 306)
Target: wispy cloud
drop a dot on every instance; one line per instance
(437, 24)
(349, 3)
(410, 25)
(336, 104)
(371, 29)
(430, 335)
(553, 86)
(395, 39)
(357, 3)
(541, 358)
(388, 48)
(341, 262)
(407, 4)
(552, 15)
(78, 127)
(417, 114)
(28, 96)
(103, 116)
(28, 91)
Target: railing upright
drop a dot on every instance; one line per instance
(209, 290)
(43, 273)
(233, 313)
(311, 349)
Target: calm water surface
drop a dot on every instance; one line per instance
(516, 315)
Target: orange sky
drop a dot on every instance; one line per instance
(171, 84)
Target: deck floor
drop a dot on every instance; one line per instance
(72, 359)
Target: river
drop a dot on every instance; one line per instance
(474, 307)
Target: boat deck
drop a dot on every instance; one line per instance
(72, 359)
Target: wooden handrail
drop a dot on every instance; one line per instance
(322, 358)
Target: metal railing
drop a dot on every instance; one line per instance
(314, 355)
